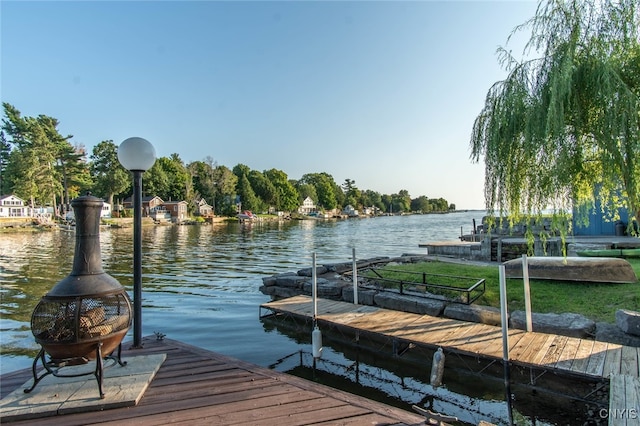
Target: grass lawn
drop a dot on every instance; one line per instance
(596, 301)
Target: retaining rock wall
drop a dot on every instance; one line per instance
(334, 281)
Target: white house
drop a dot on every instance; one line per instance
(203, 208)
(104, 213)
(12, 206)
(350, 211)
(307, 206)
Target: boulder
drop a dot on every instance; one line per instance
(307, 272)
(279, 292)
(628, 321)
(340, 268)
(269, 281)
(611, 333)
(473, 313)
(325, 288)
(365, 297)
(566, 324)
(404, 303)
(292, 281)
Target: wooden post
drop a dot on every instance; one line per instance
(355, 278)
(527, 292)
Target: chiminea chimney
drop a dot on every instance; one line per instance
(87, 313)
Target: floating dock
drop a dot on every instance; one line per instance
(561, 354)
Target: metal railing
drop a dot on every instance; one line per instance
(452, 288)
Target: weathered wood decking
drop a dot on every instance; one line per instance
(561, 354)
(195, 386)
(624, 402)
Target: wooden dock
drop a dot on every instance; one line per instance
(195, 386)
(561, 354)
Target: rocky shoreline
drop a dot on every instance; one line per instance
(335, 282)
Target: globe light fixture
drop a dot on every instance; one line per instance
(137, 155)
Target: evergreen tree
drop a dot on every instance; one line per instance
(5, 150)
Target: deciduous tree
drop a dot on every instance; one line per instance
(110, 178)
(563, 128)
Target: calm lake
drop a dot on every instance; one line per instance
(201, 286)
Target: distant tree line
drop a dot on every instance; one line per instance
(41, 166)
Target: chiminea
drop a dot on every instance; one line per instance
(87, 313)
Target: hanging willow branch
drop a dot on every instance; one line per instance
(563, 129)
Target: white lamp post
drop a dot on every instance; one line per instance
(137, 155)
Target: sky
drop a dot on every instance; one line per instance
(383, 93)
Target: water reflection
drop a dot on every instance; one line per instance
(473, 390)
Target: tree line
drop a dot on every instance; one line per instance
(43, 167)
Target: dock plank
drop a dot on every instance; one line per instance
(582, 356)
(623, 401)
(629, 361)
(612, 360)
(538, 341)
(595, 367)
(568, 354)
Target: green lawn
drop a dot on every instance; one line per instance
(598, 302)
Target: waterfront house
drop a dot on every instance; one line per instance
(307, 206)
(203, 208)
(350, 211)
(149, 204)
(12, 206)
(104, 213)
(177, 209)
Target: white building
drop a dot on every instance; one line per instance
(307, 206)
(104, 213)
(12, 206)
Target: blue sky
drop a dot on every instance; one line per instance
(383, 93)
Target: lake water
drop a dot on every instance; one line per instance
(201, 286)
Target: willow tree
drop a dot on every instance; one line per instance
(562, 130)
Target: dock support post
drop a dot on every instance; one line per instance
(505, 337)
(314, 287)
(355, 278)
(503, 314)
(316, 335)
(527, 292)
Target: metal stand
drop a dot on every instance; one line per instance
(54, 366)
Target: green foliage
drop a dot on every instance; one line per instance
(287, 196)
(564, 128)
(110, 178)
(5, 150)
(39, 166)
(225, 184)
(263, 188)
(325, 188)
(426, 205)
(247, 196)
